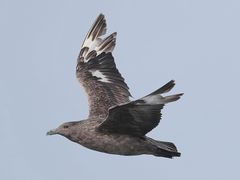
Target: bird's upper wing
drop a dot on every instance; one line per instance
(138, 117)
(97, 72)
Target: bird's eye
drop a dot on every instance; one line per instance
(65, 126)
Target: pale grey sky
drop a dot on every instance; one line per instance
(194, 42)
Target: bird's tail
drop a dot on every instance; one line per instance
(164, 149)
(167, 149)
(156, 98)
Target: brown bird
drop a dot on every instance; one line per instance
(115, 124)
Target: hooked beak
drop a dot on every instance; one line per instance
(52, 132)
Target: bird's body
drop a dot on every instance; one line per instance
(115, 124)
(85, 132)
(88, 136)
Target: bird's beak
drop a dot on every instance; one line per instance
(52, 132)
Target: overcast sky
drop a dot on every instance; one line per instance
(194, 42)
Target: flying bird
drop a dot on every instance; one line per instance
(115, 124)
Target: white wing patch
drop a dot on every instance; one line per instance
(100, 75)
(153, 99)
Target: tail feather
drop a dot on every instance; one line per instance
(167, 154)
(167, 145)
(164, 149)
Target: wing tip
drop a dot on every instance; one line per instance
(165, 88)
(94, 41)
(172, 98)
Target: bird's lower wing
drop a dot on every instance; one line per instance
(138, 117)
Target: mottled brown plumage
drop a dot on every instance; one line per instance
(115, 124)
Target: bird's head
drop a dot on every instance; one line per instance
(65, 129)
